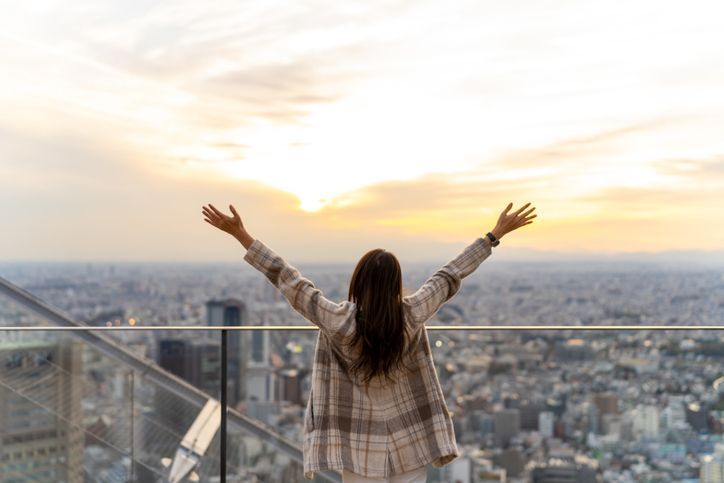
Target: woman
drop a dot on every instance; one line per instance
(375, 409)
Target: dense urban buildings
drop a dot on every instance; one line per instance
(528, 406)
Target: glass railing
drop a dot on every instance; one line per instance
(122, 402)
(126, 403)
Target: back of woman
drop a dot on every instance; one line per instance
(375, 409)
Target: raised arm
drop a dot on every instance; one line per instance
(444, 283)
(301, 293)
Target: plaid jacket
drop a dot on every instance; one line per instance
(375, 430)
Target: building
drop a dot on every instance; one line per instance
(507, 425)
(646, 421)
(712, 468)
(232, 312)
(697, 416)
(603, 404)
(529, 414)
(260, 377)
(40, 411)
(557, 470)
(545, 424)
(511, 460)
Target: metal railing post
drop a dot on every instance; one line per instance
(132, 383)
(224, 388)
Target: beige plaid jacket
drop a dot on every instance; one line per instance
(375, 430)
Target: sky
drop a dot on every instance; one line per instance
(338, 127)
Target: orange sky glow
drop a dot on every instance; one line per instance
(337, 128)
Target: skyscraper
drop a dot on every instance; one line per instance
(712, 466)
(40, 411)
(507, 425)
(196, 361)
(545, 424)
(602, 404)
(232, 312)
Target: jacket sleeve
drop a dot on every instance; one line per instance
(444, 283)
(300, 292)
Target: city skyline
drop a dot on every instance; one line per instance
(621, 406)
(335, 129)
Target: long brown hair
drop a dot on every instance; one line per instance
(376, 289)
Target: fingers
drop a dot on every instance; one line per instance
(210, 214)
(220, 214)
(233, 210)
(518, 218)
(516, 213)
(526, 221)
(527, 212)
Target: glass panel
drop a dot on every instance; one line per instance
(65, 410)
(81, 406)
(620, 404)
(617, 405)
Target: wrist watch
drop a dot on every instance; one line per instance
(494, 241)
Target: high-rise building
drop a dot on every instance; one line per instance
(233, 312)
(507, 425)
(696, 416)
(611, 425)
(675, 413)
(606, 403)
(712, 466)
(594, 420)
(173, 355)
(511, 460)
(602, 404)
(260, 378)
(195, 361)
(529, 411)
(43, 435)
(459, 470)
(646, 421)
(545, 424)
(206, 367)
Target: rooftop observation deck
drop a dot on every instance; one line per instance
(115, 404)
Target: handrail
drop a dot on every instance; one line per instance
(314, 327)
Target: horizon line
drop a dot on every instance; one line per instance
(526, 255)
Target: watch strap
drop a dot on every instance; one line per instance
(494, 241)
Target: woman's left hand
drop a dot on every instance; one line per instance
(230, 224)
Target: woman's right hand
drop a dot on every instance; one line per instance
(508, 222)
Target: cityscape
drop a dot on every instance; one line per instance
(527, 406)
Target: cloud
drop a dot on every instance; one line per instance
(277, 92)
(417, 121)
(709, 171)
